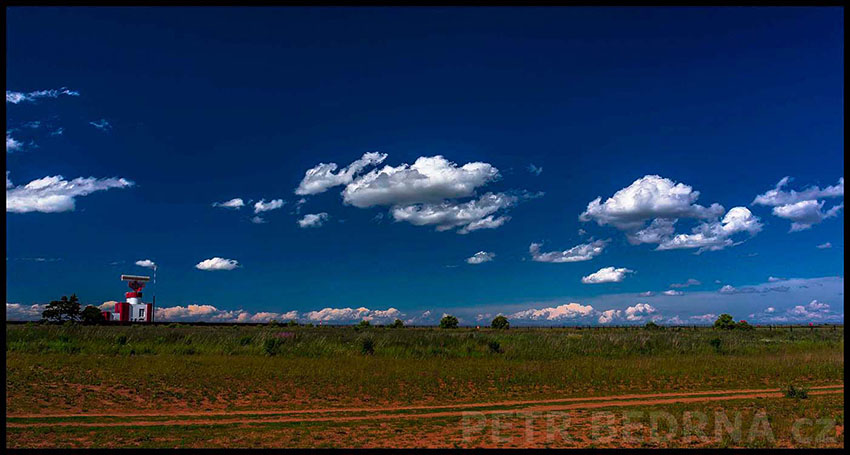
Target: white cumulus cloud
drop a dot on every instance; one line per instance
(672, 292)
(583, 252)
(353, 315)
(480, 257)
(263, 206)
(640, 312)
(235, 203)
(648, 197)
(146, 263)
(427, 180)
(716, 235)
(561, 312)
(12, 144)
(804, 214)
(217, 263)
(323, 176)
(19, 312)
(606, 275)
(804, 208)
(608, 316)
(312, 220)
(55, 194)
(778, 196)
(824, 246)
(469, 216)
(648, 209)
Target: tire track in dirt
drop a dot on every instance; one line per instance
(402, 408)
(381, 413)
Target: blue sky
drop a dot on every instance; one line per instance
(454, 131)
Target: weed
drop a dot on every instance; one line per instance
(495, 347)
(367, 346)
(799, 392)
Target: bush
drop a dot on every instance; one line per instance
(91, 316)
(500, 322)
(121, 339)
(397, 324)
(272, 346)
(796, 392)
(715, 343)
(367, 346)
(725, 322)
(292, 323)
(743, 325)
(246, 340)
(448, 322)
(364, 324)
(495, 347)
(652, 326)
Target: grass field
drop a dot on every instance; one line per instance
(381, 387)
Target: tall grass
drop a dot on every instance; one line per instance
(516, 344)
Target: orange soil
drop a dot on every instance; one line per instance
(381, 413)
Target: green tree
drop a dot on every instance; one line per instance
(364, 324)
(397, 324)
(500, 322)
(91, 315)
(292, 323)
(725, 322)
(448, 322)
(64, 309)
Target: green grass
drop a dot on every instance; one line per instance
(319, 342)
(86, 368)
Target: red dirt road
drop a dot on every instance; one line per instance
(393, 412)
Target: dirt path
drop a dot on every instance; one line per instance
(388, 412)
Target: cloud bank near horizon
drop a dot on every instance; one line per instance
(795, 300)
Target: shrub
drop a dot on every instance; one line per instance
(796, 392)
(91, 315)
(246, 340)
(364, 324)
(448, 322)
(495, 347)
(397, 324)
(743, 325)
(292, 323)
(652, 326)
(367, 346)
(121, 339)
(500, 322)
(725, 322)
(715, 343)
(272, 346)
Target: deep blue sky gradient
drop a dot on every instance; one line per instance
(211, 104)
